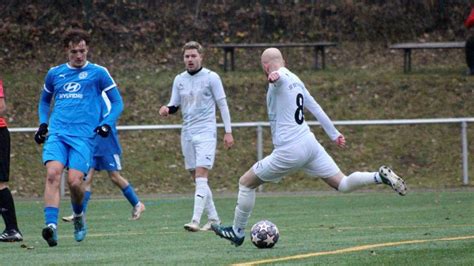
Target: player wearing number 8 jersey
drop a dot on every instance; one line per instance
(295, 147)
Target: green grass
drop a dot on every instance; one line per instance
(308, 223)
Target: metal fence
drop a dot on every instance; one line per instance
(259, 127)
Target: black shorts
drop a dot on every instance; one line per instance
(4, 154)
(470, 52)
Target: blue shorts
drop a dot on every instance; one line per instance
(108, 163)
(72, 151)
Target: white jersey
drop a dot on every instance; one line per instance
(286, 100)
(196, 95)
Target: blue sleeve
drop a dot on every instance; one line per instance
(117, 106)
(44, 106)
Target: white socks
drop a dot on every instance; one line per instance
(203, 200)
(358, 179)
(210, 207)
(245, 204)
(200, 197)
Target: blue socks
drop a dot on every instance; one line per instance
(51, 215)
(85, 201)
(129, 193)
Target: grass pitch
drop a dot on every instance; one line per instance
(317, 228)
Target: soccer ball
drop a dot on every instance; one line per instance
(264, 234)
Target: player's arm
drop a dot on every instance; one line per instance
(116, 108)
(43, 113)
(225, 115)
(44, 106)
(218, 92)
(173, 105)
(3, 106)
(273, 77)
(116, 103)
(318, 112)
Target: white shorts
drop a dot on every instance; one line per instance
(198, 150)
(307, 155)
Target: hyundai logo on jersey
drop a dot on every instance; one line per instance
(72, 87)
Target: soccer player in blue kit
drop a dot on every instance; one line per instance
(69, 128)
(107, 153)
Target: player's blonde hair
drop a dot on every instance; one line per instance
(193, 45)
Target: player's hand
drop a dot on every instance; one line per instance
(40, 135)
(228, 140)
(164, 111)
(273, 77)
(103, 130)
(341, 141)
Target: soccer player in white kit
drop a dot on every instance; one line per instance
(197, 91)
(295, 147)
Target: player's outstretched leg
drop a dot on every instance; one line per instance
(50, 234)
(228, 233)
(394, 181)
(80, 228)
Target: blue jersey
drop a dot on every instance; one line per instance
(77, 98)
(109, 145)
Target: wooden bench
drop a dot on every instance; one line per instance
(407, 47)
(229, 48)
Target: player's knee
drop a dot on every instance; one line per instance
(75, 184)
(53, 175)
(344, 186)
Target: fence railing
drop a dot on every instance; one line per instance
(259, 127)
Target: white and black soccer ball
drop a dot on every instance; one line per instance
(264, 234)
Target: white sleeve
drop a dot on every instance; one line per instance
(175, 99)
(318, 112)
(216, 86)
(225, 114)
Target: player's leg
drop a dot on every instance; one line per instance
(7, 209)
(245, 204)
(189, 154)
(385, 175)
(79, 160)
(272, 168)
(87, 184)
(321, 164)
(212, 216)
(470, 54)
(76, 189)
(7, 205)
(201, 196)
(54, 170)
(206, 151)
(129, 193)
(204, 146)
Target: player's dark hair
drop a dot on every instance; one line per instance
(193, 45)
(75, 36)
